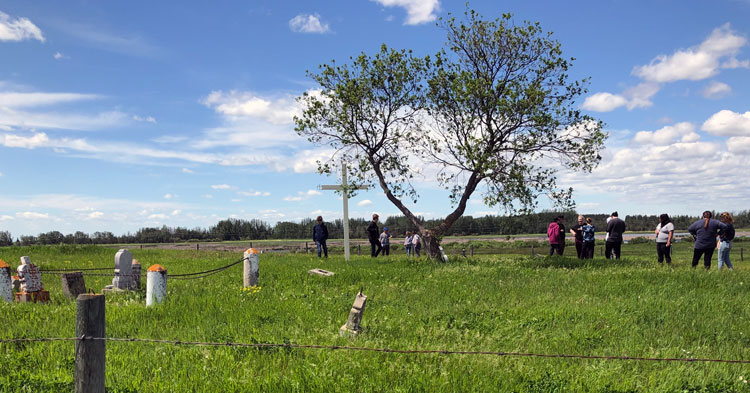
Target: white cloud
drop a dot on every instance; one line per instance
(26, 142)
(293, 198)
(176, 212)
(604, 102)
(126, 44)
(157, 217)
(223, 187)
(254, 193)
(148, 119)
(418, 11)
(313, 193)
(10, 99)
(186, 170)
(6, 218)
(728, 123)
(696, 63)
(32, 215)
(303, 195)
(739, 145)
(59, 56)
(18, 29)
(364, 202)
(52, 120)
(279, 110)
(169, 196)
(95, 215)
(635, 97)
(684, 132)
(308, 23)
(716, 90)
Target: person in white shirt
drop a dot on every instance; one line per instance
(664, 235)
(416, 244)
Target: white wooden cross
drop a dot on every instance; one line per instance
(344, 190)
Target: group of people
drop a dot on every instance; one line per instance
(584, 235)
(380, 243)
(705, 232)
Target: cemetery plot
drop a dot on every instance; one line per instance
(494, 303)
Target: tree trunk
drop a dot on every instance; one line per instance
(431, 246)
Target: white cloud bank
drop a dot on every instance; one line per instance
(728, 123)
(18, 29)
(308, 23)
(417, 11)
(718, 51)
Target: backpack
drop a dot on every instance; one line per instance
(553, 231)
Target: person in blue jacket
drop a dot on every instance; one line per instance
(320, 235)
(725, 240)
(705, 231)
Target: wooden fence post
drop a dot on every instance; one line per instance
(90, 354)
(359, 249)
(742, 254)
(471, 251)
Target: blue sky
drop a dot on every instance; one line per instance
(120, 115)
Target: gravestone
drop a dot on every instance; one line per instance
(321, 272)
(32, 289)
(352, 326)
(156, 285)
(250, 268)
(73, 284)
(135, 284)
(123, 272)
(6, 285)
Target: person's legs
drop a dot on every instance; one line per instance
(380, 247)
(317, 245)
(697, 253)
(408, 250)
(416, 249)
(387, 249)
(660, 252)
(728, 248)
(709, 253)
(668, 253)
(608, 250)
(579, 249)
(617, 247)
(372, 248)
(552, 249)
(325, 248)
(721, 255)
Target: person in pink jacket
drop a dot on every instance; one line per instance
(556, 239)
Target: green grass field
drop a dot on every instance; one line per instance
(511, 303)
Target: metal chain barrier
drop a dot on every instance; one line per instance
(382, 350)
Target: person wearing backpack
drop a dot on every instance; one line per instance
(725, 240)
(554, 233)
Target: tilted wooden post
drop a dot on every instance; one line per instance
(6, 285)
(90, 354)
(250, 268)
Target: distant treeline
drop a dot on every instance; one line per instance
(237, 229)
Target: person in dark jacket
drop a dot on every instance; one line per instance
(705, 231)
(725, 240)
(373, 234)
(320, 235)
(615, 229)
(577, 232)
(554, 236)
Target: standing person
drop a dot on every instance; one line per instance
(664, 235)
(578, 233)
(725, 240)
(372, 235)
(553, 233)
(416, 243)
(606, 234)
(320, 235)
(705, 231)
(561, 223)
(407, 243)
(588, 233)
(385, 240)
(615, 229)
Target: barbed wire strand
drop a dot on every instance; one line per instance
(368, 349)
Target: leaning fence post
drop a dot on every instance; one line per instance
(359, 249)
(90, 354)
(532, 250)
(156, 285)
(250, 268)
(471, 251)
(307, 249)
(742, 254)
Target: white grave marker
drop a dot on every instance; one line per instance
(344, 188)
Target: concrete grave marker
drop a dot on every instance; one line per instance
(321, 272)
(352, 326)
(250, 268)
(73, 284)
(32, 289)
(6, 286)
(123, 270)
(135, 283)
(156, 285)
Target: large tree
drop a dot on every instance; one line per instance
(494, 111)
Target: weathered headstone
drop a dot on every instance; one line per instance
(6, 286)
(123, 270)
(443, 254)
(73, 284)
(156, 285)
(135, 284)
(352, 326)
(321, 272)
(32, 289)
(250, 268)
